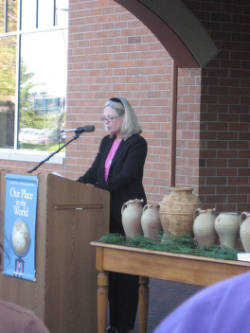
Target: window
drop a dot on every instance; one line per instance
(33, 73)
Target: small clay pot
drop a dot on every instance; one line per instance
(203, 227)
(227, 226)
(245, 231)
(150, 221)
(131, 217)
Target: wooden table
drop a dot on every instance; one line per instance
(147, 264)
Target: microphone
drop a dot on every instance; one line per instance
(80, 130)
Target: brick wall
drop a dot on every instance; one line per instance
(225, 106)
(112, 53)
(188, 128)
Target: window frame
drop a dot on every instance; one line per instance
(15, 153)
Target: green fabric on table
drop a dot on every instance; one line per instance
(175, 244)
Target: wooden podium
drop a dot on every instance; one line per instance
(69, 216)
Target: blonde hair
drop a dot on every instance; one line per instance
(130, 124)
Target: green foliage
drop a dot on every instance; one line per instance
(27, 115)
(39, 147)
(7, 67)
(174, 244)
(28, 118)
(8, 52)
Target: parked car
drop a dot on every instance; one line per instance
(44, 136)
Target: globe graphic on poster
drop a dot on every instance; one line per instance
(20, 238)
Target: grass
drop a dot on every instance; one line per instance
(40, 147)
(174, 244)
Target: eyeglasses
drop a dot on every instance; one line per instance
(109, 119)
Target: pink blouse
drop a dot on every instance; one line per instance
(110, 156)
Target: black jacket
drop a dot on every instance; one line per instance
(125, 175)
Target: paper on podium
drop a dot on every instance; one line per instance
(57, 174)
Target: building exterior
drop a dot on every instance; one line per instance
(195, 111)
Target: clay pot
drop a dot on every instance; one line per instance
(131, 217)
(176, 211)
(203, 226)
(227, 227)
(245, 231)
(150, 221)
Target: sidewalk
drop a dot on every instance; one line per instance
(164, 296)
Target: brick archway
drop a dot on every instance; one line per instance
(191, 48)
(178, 30)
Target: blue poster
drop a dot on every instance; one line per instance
(20, 226)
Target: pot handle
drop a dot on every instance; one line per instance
(145, 208)
(196, 212)
(124, 206)
(246, 214)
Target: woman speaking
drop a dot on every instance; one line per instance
(118, 168)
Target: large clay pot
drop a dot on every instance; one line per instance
(176, 211)
(203, 227)
(150, 221)
(227, 226)
(245, 231)
(131, 217)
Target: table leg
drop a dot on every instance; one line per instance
(102, 300)
(143, 303)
